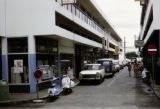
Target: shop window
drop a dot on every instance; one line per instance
(18, 68)
(17, 45)
(48, 64)
(47, 57)
(67, 62)
(46, 45)
(18, 60)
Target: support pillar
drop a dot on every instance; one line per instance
(4, 59)
(32, 62)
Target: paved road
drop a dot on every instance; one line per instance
(119, 92)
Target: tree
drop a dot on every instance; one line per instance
(130, 55)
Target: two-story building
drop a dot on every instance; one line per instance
(53, 37)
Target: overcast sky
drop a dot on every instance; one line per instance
(124, 16)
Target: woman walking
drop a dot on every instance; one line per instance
(129, 69)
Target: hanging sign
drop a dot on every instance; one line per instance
(152, 50)
(139, 43)
(65, 2)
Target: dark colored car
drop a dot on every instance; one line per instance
(108, 65)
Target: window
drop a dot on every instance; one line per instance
(17, 45)
(47, 57)
(46, 45)
(18, 60)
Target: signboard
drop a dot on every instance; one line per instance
(38, 74)
(103, 42)
(18, 66)
(65, 2)
(152, 50)
(142, 2)
(116, 50)
(139, 43)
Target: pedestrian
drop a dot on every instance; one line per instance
(129, 69)
(135, 67)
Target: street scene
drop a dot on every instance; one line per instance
(119, 92)
(74, 54)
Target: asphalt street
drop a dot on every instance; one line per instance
(119, 92)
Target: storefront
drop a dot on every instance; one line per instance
(85, 55)
(18, 75)
(21, 62)
(152, 63)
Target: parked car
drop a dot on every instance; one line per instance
(92, 72)
(109, 66)
(117, 65)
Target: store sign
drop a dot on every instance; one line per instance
(103, 42)
(18, 66)
(139, 43)
(152, 49)
(116, 50)
(65, 2)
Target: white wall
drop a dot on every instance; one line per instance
(25, 17)
(74, 37)
(156, 13)
(37, 17)
(146, 18)
(2, 17)
(66, 46)
(156, 19)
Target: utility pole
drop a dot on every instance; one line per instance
(124, 48)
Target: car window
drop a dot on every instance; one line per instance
(100, 62)
(95, 67)
(92, 67)
(106, 63)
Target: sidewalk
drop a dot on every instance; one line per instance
(18, 98)
(156, 89)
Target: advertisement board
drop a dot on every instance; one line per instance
(18, 66)
(139, 43)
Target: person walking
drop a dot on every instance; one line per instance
(135, 67)
(129, 69)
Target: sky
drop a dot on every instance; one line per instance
(124, 16)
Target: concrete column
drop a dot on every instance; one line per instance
(31, 62)
(4, 59)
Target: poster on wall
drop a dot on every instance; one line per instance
(18, 66)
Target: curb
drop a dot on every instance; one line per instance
(9, 103)
(156, 91)
(12, 103)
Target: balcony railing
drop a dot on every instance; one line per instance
(82, 15)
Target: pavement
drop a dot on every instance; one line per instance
(19, 98)
(156, 89)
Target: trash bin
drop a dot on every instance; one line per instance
(4, 90)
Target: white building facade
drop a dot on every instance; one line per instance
(53, 37)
